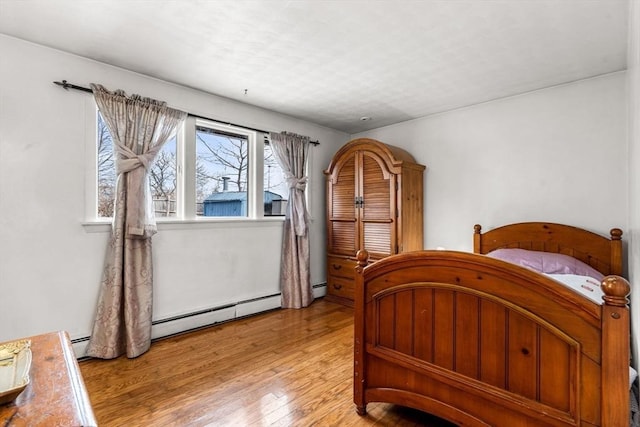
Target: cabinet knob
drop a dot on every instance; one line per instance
(337, 266)
(337, 287)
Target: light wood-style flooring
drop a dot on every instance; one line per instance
(282, 368)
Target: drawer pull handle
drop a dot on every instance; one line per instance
(337, 266)
(337, 287)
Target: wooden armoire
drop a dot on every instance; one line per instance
(374, 202)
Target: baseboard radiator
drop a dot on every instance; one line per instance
(163, 328)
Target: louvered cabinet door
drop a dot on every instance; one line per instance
(377, 207)
(342, 216)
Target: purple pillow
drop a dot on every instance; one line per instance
(546, 262)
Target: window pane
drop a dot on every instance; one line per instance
(162, 177)
(276, 190)
(162, 180)
(106, 171)
(221, 173)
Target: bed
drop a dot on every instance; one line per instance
(481, 341)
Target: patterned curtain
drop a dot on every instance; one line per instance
(139, 128)
(291, 152)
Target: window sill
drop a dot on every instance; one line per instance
(97, 226)
(101, 226)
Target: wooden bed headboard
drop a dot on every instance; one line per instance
(602, 253)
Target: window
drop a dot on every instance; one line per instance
(106, 171)
(208, 170)
(162, 177)
(163, 180)
(222, 164)
(276, 190)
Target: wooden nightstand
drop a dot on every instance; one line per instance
(56, 394)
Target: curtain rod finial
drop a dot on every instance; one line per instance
(66, 85)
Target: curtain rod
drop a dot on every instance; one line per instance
(66, 85)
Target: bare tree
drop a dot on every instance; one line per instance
(162, 179)
(203, 179)
(231, 155)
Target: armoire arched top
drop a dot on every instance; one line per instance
(393, 156)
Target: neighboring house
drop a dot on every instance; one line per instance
(234, 203)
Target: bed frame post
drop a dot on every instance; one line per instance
(615, 354)
(616, 251)
(359, 345)
(477, 239)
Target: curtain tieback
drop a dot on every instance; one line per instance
(296, 204)
(297, 183)
(130, 160)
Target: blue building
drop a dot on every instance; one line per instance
(234, 203)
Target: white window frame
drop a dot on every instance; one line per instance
(185, 174)
(187, 163)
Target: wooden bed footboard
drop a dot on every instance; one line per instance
(481, 342)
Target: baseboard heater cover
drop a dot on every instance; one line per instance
(319, 290)
(163, 328)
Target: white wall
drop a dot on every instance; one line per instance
(558, 155)
(633, 67)
(50, 263)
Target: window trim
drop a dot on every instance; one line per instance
(185, 167)
(255, 210)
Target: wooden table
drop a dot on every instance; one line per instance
(56, 394)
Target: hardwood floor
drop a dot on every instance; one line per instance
(282, 368)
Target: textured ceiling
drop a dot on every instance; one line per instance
(333, 62)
